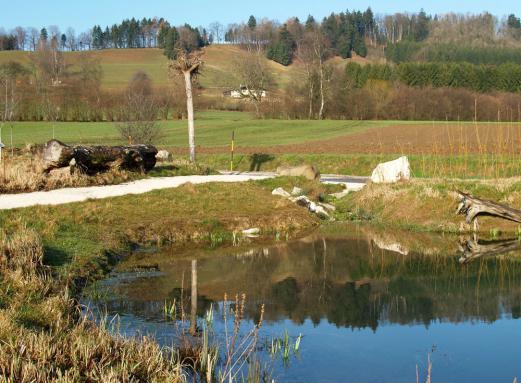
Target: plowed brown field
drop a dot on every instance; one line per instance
(421, 138)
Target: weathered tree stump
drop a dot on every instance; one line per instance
(56, 155)
(94, 159)
(473, 207)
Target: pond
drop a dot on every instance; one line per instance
(372, 306)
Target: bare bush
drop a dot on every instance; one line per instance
(139, 112)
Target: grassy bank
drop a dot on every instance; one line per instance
(430, 205)
(42, 336)
(80, 235)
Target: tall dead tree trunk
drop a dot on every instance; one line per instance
(188, 64)
(319, 47)
(190, 112)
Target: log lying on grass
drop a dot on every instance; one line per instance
(95, 159)
(473, 207)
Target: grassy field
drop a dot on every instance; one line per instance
(212, 129)
(423, 166)
(119, 65)
(441, 149)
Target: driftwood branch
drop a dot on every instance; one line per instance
(95, 159)
(473, 207)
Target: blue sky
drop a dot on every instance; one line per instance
(81, 15)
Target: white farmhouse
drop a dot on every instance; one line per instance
(244, 92)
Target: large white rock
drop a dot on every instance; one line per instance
(163, 156)
(281, 192)
(253, 232)
(297, 191)
(392, 171)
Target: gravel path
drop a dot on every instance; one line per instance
(68, 195)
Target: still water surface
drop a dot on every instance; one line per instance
(371, 306)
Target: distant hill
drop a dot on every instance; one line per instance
(119, 65)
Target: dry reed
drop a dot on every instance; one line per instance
(25, 173)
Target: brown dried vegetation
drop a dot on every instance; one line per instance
(25, 173)
(44, 337)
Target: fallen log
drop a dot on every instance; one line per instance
(473, 207)
(95, 159)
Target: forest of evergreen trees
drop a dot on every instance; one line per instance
(411, 51)
(482, 78)
(404, 36)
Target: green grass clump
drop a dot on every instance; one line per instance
(426, 166)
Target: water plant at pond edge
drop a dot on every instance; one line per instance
(215, 357)
(224, 359)
(284, 347)
(170, 311)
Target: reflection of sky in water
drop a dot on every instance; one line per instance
(367, 315)
(473, 352)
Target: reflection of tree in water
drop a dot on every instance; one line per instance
(392, 288)
(351, 306)
(351, 284)
(285, 294)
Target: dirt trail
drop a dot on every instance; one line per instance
(68, 195)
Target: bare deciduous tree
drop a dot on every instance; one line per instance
(306, 55)
(139, 114)
(86, 40)
(217, 30)
(49, 63)
(10, 72)
(20, 37)
(254, 76)
(54, 32)
(33, 38)
(71, 39)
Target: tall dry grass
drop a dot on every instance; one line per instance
(44, 337)
(476, 150)
(25, 173)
